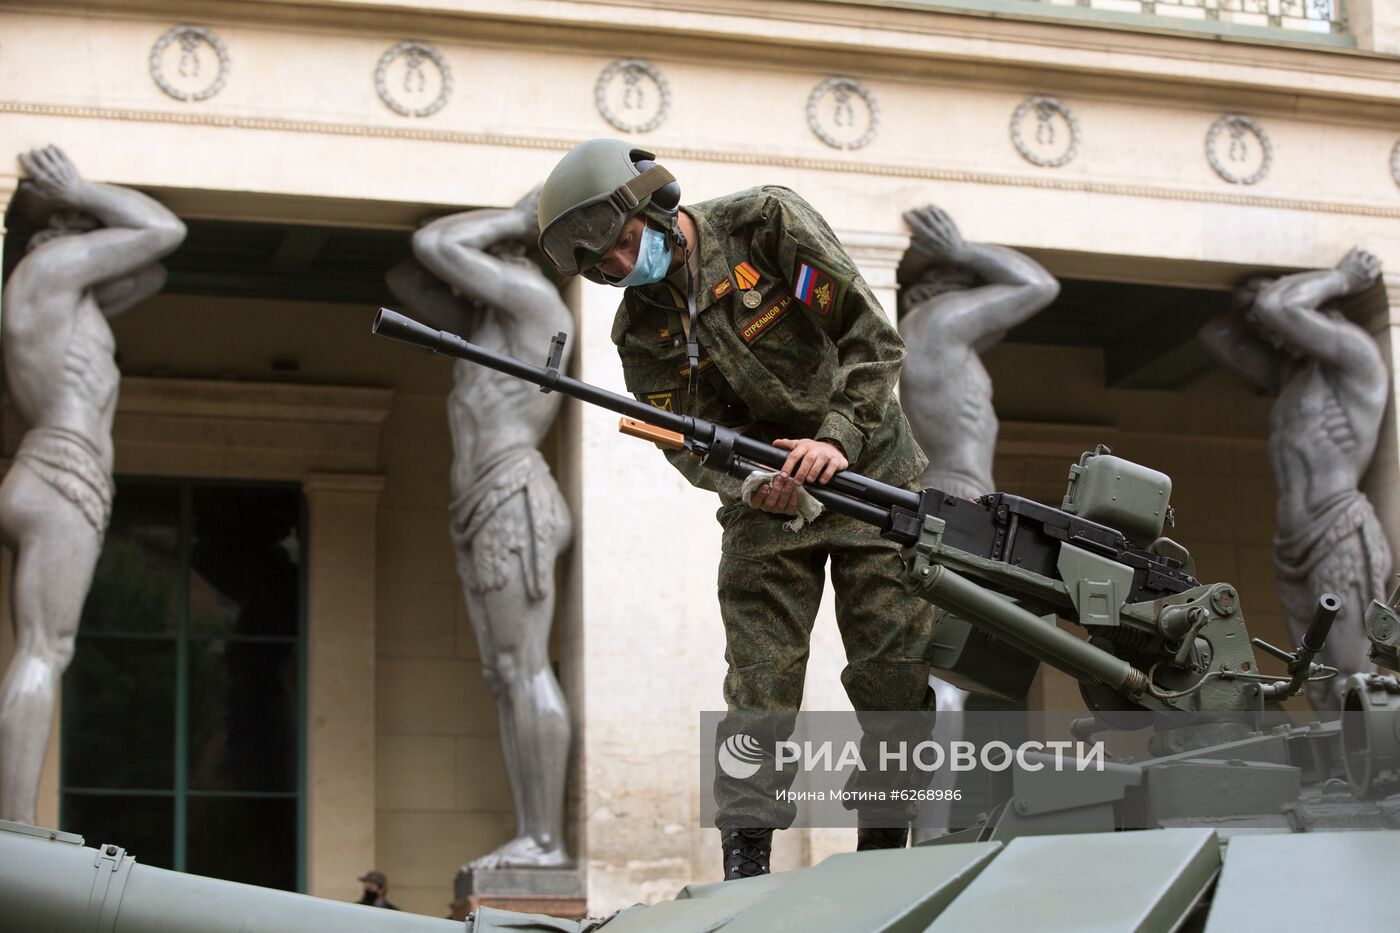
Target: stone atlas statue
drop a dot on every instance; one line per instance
(1286, 337)
(471, 275)
(96, 258)
(959, 300)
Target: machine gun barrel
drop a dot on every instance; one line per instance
(848, 493)
(391, 324)
(1300, 661)
(1328, 605)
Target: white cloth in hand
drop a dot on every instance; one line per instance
(808, 508)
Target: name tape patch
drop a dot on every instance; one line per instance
(765, 318)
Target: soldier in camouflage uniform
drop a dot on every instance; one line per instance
(791, 347)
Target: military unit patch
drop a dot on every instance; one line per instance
(746, 275)
(765, 319)
(721, 288)
(814, 288)
(662, 400)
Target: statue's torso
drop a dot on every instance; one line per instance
(947, 396)
(1320, 443)
(60, 367)
(490, 414)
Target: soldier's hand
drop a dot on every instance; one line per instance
(52, 174)
(1360, 269)
(779, 496)
(935, 235)
(812, 461)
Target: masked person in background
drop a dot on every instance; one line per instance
(376, 890)
(745, 310)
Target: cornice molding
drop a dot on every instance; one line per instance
(714, 156)
(867, 40)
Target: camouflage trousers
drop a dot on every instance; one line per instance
(770, 586)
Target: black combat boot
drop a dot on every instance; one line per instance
(746, 852)
(869, 838)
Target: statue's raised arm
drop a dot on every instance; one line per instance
(483, 256)
(1289, 310)
(999, 287)
(429, 298)
(1236, 344)
(125, 232)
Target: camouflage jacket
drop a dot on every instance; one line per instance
(792, 341)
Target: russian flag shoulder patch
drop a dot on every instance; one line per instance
(815, 287)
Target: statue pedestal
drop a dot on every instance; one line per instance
(557, 892)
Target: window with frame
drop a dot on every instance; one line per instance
(183, 720)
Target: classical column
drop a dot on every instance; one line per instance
(877, 254)
(340, 678)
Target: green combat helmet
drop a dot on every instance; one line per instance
(592, 193)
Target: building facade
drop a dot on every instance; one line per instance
(1150, 155)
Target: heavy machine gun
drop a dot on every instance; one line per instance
(1003, 567)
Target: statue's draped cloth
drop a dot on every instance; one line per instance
(70, 465)
(493, 539)
(1342, 550)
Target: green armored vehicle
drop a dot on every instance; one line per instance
(1232, 819)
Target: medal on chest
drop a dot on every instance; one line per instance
(747, 277)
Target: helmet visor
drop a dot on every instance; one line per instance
(579, 239)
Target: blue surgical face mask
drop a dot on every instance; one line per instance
(653, 260)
